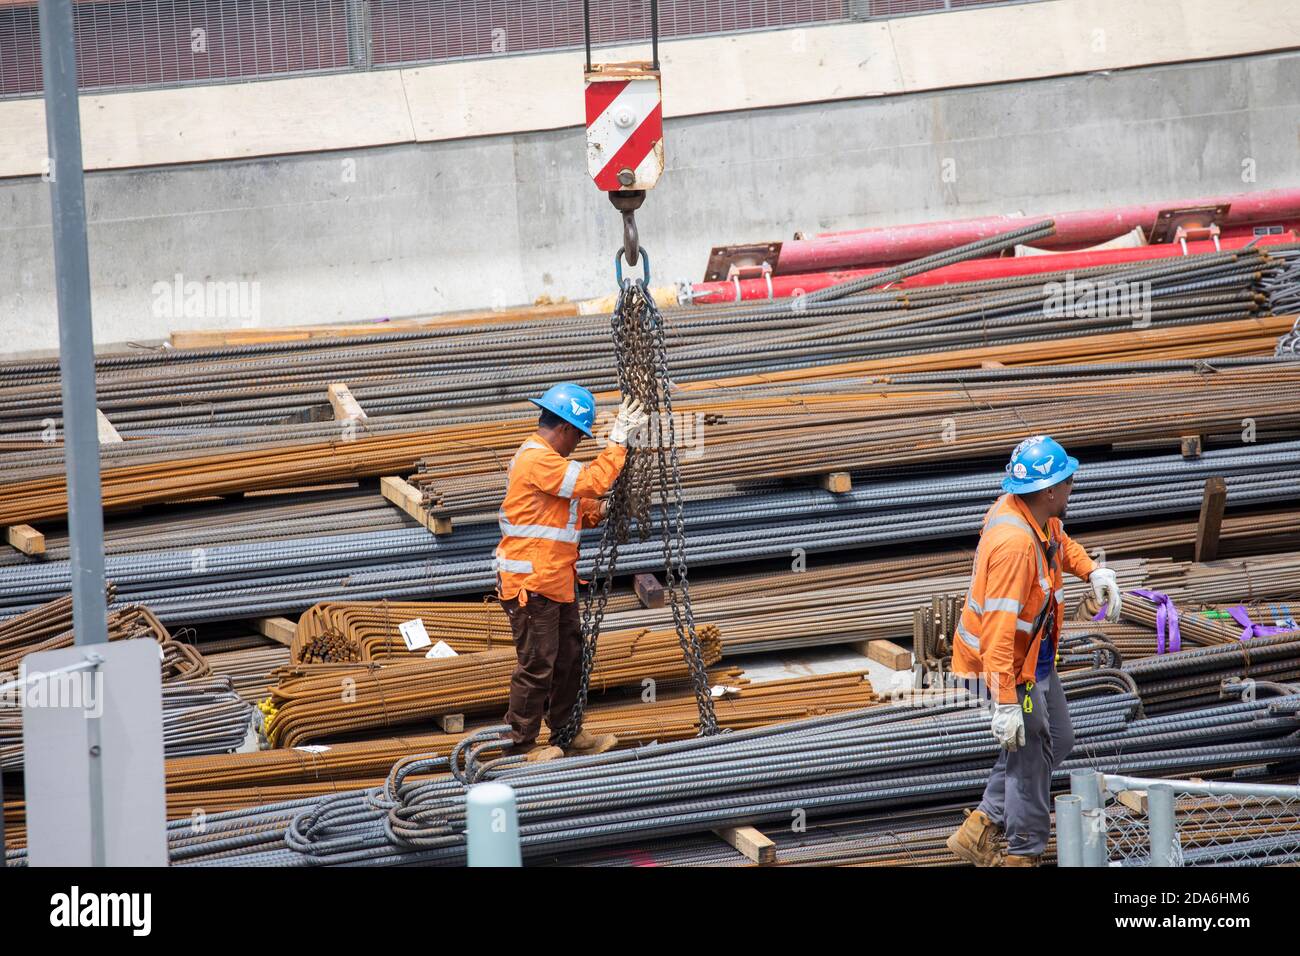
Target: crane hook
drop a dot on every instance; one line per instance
(627, 202)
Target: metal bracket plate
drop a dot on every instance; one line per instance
(728, 261)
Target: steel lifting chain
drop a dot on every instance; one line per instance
(650, 476)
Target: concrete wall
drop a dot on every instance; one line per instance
(711, 74)
(416, 228)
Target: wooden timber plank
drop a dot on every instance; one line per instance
(407, 497)
(750, 842)
(344, 404)
(1213, 501)
(279, 629)
(26, 539)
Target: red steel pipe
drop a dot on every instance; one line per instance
(712, 293)
(890, 244)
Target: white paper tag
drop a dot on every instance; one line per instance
(313, 749)
(414, 634)
(441, 649)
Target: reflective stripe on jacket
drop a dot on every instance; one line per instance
(548, 502)
(1010, 586)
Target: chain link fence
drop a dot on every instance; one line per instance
(1209, 824)
(157, 43)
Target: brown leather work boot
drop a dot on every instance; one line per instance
(1009, 859)
(542, 754)
(587, 745)
(976, 841)
(533, 752)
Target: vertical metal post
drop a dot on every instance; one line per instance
(1069, 830)
(861, 10)
(654, 34)
(360, 38)
(1160, 824)
(76, 349)
(1086, 785)
(76, 342)
(492, 826)
(586, 30)
(1094, 837)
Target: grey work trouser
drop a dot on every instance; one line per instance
(1019, 789)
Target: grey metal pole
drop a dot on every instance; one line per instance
(76, 352)
(1069, 830)
(76, 343)
(1094, 836)
(1160, 824)
(1117, 782)
(1086, 785)
(359, 35)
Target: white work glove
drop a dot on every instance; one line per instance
(631, 416)
(1009, 726)
(1106, 590)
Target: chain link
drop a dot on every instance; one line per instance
(650, 475)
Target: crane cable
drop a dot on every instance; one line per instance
(627, 201)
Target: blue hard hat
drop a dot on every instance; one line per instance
(1038, 462)
(573, 403)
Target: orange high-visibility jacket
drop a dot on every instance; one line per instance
(548, 502)
(996, 633)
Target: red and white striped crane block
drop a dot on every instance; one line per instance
(625, 126)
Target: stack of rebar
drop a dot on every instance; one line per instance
(903, 838)
(257, 505)
(49, 627)
(249, 670)
(745, 704)
(201, 711)
(756, 438)
(220, 782)
(1195, 677)
(462, 366)
(259, 577)
(872, 760)
(319, 701)
(1243, 579)
(201, 715)
(373, 628)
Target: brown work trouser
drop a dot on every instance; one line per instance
(548, 644)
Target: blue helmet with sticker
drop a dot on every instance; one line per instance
(573, 403)
(1038, 462)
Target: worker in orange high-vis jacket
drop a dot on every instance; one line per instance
(549, 500)
(1007, 636)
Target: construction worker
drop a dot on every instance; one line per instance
(548, 502)
(1007, 636)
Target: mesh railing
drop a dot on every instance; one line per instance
(1210, 829)
(1128, 839)
(152, 43)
